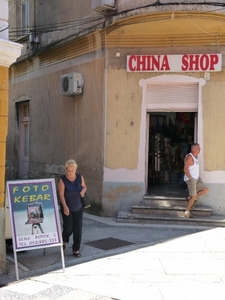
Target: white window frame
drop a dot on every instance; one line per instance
(147, 106)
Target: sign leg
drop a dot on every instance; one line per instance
(16, 265)
(63, 260)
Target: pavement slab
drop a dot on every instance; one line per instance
(156, 262)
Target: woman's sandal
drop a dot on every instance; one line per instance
(76, 254)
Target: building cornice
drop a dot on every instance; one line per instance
(71, 50)
(167, 29)
(9, 52)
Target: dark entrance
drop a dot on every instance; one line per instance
(171, 135)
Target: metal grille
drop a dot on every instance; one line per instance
(109, 243)
(65, 84)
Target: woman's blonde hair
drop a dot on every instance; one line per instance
(70, 162)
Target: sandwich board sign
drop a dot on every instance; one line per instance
(34, 216)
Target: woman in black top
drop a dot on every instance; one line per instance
(71, 187)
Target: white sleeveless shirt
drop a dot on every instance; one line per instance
(194, 169)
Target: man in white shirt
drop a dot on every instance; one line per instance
(194, 183)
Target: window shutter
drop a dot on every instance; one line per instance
(172, 97)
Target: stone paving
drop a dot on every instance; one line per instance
(159, 263)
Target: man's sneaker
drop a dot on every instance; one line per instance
(188, 215)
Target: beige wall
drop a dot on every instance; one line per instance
(61, 127)
(102, 130)
(124, 112)
(124, 184)
(159, 34)
(214, 122)
(123, 117)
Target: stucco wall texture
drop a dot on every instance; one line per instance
(214, 120)
(123, 120)
(4, 128)
(102, 128)
(124, 113)
(72, 126)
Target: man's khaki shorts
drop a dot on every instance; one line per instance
(194, 185)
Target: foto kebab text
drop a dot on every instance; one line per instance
(28, 193)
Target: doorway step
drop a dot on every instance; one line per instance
(169, 210)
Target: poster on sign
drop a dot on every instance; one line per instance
(34, 214)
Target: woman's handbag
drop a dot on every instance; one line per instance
(86, 201)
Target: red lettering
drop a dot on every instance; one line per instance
(132, 63)
(141, 63)
(189, 62)
(165, 64)
(155, 62)
(213, 61)
(184, 62)
(148, 62)
(194, 60)
(204, 62)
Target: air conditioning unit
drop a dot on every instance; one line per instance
(71, 84)
(102, 5)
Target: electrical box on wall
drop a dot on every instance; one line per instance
(102, 5)
(71, 84)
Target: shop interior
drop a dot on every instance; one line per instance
(171, 135)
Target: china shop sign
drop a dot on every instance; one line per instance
(175, 63)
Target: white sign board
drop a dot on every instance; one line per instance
(34, 214)
(175, 63)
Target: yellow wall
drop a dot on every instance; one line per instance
(3, 126)
(153, 33)
(124, 100)
(123, 120)
(214, 122)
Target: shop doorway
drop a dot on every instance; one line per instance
(171, 135)
(176, 99)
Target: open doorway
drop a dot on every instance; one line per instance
(171, 135)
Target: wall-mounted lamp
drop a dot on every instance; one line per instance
(207, 76)
(118, 46)
(118, 54)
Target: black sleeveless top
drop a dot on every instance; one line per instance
(72, 193)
